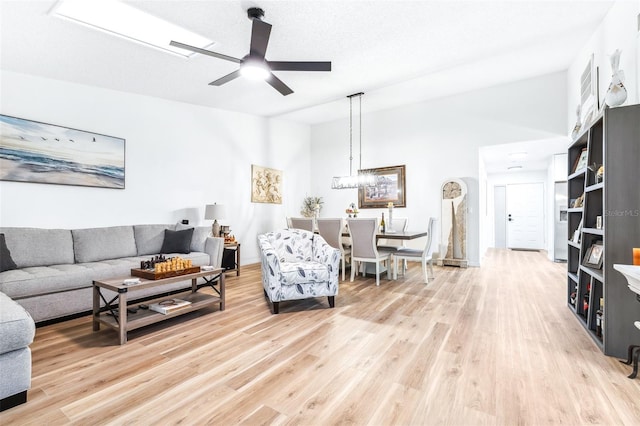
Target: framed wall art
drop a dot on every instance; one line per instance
(589, 92)
(31, 151)
(266, 185)
(389, 187)
(593, 256)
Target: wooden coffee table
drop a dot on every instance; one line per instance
(114, 314)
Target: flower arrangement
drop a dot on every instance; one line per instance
(311, 206)
(352, 210)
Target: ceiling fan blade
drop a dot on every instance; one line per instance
(299, 66)
(227, 78)
(277, 84)
(204, 52)
(260, 32)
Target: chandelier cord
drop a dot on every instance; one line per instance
(360, 99)
(350, 136)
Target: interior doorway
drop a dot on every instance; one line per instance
(525, 216)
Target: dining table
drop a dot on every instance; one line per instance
(397, 235)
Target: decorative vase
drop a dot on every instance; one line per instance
(578, 126)
(390, 226)
(616, 93)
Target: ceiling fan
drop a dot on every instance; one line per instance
(254, 65)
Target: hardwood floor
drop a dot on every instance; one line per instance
(490, 345)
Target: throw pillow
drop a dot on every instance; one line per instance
(6, 262)
(177, 241)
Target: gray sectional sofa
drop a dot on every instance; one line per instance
(56, 267)
(16, 334)
(51, 272)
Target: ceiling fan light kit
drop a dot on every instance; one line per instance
(254, 70)
(255, 66)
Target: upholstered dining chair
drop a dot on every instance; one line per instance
(305, 223)
(400, 224)
(363, 246)
(424, 256)
(331, 231)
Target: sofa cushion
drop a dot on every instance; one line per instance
(6, 262)
(95, 244)
(39, 280)
(149, 238)
(16, 325)
(177, 241)
(300, 273)
(38, 246)
(200, 234)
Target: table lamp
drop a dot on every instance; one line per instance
(214, 212)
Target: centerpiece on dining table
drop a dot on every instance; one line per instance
(389, 229)
(352, 210)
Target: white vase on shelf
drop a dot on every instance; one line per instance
(616, 93)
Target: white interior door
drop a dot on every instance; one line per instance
(525, 216)
(500, 216)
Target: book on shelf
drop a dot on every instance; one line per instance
(170, 305)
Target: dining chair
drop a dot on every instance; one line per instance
(363, 246)
(400, 224)
(331, 230)
(425, 256)
(305, 223)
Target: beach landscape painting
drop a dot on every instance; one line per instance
(36, 152)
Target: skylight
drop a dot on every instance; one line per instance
(118, 18)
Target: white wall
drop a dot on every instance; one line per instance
(179, 157)
(619, 30)
(437, 140)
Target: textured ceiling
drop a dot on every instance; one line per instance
(397, 52)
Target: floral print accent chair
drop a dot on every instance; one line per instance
(298, 264)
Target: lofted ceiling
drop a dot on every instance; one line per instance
(525, 156)
(397, 52)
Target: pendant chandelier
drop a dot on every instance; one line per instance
(362, 178)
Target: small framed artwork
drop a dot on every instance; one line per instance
(266, 185)
(35, 152)
(389, 187)
(594, 256)
(581, 162)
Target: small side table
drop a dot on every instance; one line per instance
(235, 247)
(633, 354)
(632, 274)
